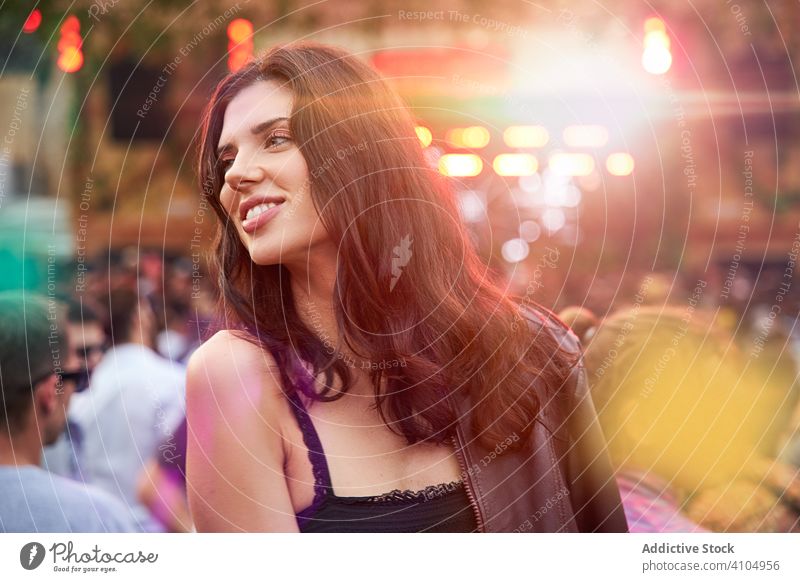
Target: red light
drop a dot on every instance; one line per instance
(240, 43)
(32, 22)
(70, 60)
(71, 24)
(237, 59)
(70, 57)
(240, 30)
(69, 39)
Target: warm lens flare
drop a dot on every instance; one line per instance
(620, 164)
(474, 137)
(70, 60)
(571, 164)
(240, 30)
(526, 136)
(240, 43)
(654, 24)
(656, 58)
(237, 59)
(463, 165)
(585, 136)
(515, 165)
(424, 134)
(71, 24)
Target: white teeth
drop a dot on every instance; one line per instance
(256, 210)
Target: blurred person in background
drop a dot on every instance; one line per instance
(581, 321)
(135, 399)
(89, 345)
(39, 371)
(162, 486)
(684, 422)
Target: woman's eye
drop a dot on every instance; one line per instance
(224, 164)
(278, 139)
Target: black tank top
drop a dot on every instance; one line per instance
(437, 508)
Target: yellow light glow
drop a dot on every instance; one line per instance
(240, 30)
(70, 60)
(474, 137)
(424, 134)
(571, 164)
(654, 24)
(460, 165)
(620, 164)
(515, 165)
(585, 136)
(526, 136)
(656, 38)
(656, 60)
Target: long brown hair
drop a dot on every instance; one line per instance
(444, 327)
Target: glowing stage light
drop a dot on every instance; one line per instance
(32, 22)
(474, 137)
(240, 43)
(515, 250)
(70, 57)
(654, 24)
(620, 164)
(464, 165)
(553, 219)
(239, 30)
(656, 58)
(585, 136)
(71, 24)
(472, 205)
(526, 136)
(656, 61)
(571, 164)
(424, 134)
(530, 231)
(70, 60)
(515, 165)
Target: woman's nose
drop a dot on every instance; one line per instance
(244, 172)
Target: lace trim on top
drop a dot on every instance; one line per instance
(323, 487)
(408, 496)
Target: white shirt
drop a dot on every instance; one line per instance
(135, 400)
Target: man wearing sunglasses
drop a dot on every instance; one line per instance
(88, 345)
(38, 374)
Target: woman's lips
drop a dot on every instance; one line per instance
(251, 224)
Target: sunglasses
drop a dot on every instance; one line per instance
(85, 352)
(79, 377)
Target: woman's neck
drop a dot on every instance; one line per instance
(313, 292)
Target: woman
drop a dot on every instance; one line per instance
(373, 376)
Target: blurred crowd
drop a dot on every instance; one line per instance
(699, 405)
(94, 436)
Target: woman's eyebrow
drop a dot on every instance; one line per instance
(256, 130)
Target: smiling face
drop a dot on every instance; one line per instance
(266, 190)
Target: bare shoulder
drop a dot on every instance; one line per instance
(228, 358)
(235, 446)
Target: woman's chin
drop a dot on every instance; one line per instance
(264, 259)
(266, 256)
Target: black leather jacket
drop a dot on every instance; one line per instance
(564, 481)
